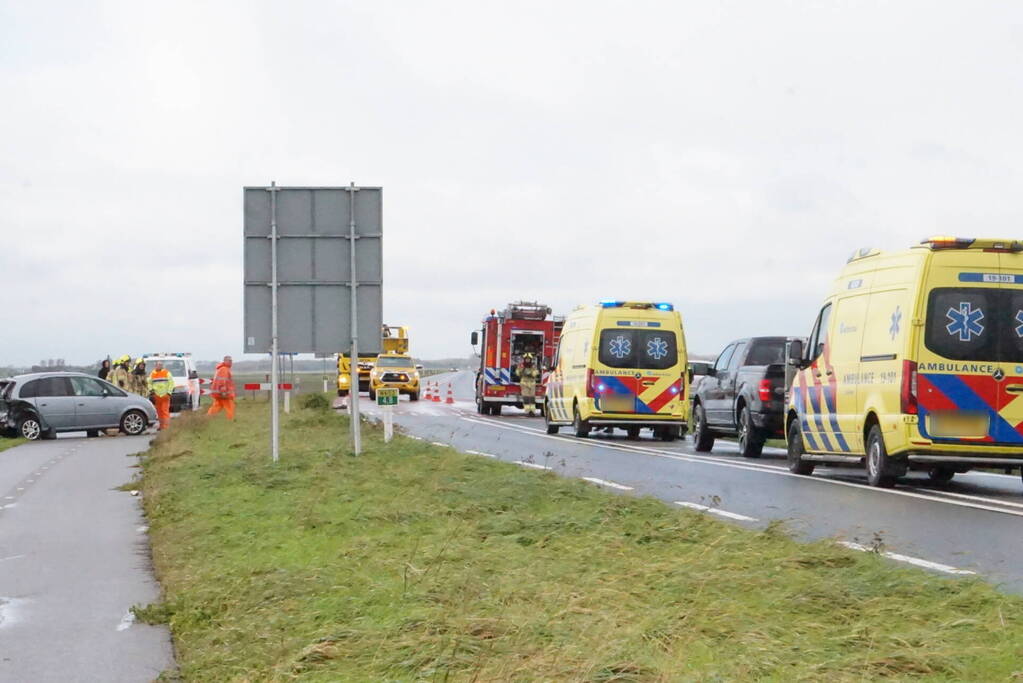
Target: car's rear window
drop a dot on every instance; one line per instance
(767, 352)
(638, 349)
(46, 386)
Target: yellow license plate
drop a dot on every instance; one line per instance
(618, 404)
(957, 425)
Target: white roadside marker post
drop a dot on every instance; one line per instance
(387, 398)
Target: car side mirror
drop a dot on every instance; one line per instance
(699, 371)
(795, 353)
(474, 338)
(712, 371)
(193, 374)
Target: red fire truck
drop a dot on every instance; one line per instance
(523, 327)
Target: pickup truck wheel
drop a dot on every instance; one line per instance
(751, 442)
(581, 426)
(372, 394)
(880, 470)
(414, 396)
(795, 442)
(703, 440)
(551, 428)
(632, 433)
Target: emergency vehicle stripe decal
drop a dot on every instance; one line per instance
(815, 401)
(660, 401)
(801, 411)
(965, 398)
(829, 398)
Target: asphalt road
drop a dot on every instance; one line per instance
(967, 526)
(73, 559)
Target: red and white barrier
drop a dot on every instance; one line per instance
(267, 386)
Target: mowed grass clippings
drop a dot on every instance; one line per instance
(414, 562)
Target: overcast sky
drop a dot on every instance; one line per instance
(726, 156)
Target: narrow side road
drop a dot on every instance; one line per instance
(73, 560)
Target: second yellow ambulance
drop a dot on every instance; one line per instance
(915, 362)
(620, 364)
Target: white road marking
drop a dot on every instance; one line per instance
(966, 496)
(532, 465)
(413, 436)
(438, 443)
(126, 621)
(916, 561)
(716, 511)
(142, 529)
(778, 471)
(9, 610)
(9, 505)
(609, 484)
(485, 455)
(12, 557)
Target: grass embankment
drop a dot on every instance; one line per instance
(6, 443)
(417, 562)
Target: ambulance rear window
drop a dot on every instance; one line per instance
(638, 349)
(975, 324)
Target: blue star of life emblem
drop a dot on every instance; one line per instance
(965, 321)
(1019, 328)
(620, 347)
(657, 348)
(896, 319)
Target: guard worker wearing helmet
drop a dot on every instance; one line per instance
(161, 384)
(529, 375)
(222, 389)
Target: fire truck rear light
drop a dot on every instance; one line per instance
(765, 390)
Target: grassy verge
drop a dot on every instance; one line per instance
(416, 562)
(6, 443)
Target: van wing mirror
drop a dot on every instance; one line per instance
(795, 352)
(474, 338)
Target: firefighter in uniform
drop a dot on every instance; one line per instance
(120, 375)
(222, 389)
(161, 384)
(139, 379)
(529, 375)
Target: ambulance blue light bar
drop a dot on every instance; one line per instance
(611, 303)
(665, 307)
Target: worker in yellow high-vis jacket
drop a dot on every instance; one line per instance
(161, 384)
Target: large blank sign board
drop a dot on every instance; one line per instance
(314, 273)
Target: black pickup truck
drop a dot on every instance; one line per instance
(742, 395)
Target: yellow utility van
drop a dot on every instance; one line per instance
(915, 362)
(619, 364)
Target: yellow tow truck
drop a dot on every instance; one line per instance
(393, 339)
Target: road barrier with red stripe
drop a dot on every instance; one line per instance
(267, 386)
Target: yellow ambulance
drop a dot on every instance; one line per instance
(915, 362)
(619, 364)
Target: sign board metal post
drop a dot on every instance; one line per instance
(354, 290)
(387, 398)
(275, 417)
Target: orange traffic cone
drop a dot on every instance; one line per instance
(436, 393)
(426, 392)
(451, 395)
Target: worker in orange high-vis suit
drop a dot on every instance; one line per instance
(161, 384)
(222, 389)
